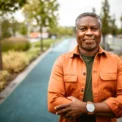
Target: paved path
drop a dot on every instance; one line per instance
(28, 102)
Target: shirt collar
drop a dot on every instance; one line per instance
(75, 52)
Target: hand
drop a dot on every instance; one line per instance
(71, 110)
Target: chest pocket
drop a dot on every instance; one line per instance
(108, 76)
(70, 82)
(107, 85)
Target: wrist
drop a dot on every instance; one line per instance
(90, 107)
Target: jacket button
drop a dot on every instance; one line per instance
(84, 73)
(82, 90)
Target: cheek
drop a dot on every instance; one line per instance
(80, 36)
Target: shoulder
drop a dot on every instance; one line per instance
(113, 57)
(63, 58)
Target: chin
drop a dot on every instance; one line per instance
(89, 48)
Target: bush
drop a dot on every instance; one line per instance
(32, 54)
(4, 76)
(14, 62)
(16, 44)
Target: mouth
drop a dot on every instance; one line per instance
(89, 41)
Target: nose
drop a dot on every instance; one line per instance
(89, 32)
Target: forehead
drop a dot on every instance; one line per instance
(88, 21)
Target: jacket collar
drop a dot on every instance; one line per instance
(75, 52)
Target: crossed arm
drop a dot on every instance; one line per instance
(76, 108)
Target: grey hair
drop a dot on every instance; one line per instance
(91, 14)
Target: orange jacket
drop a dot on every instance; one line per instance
(68, 78)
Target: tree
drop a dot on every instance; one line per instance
(105, 17)
(43, 12)
(8, 6)
(93, 10)
(113, 26)
(11, 5)
(121, 24)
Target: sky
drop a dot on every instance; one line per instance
(70, 9)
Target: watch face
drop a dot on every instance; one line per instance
(90, 107)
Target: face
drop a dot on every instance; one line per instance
(88, 33)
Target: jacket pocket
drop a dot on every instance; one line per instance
(108, 76)
(70, 84)
(70, 78)
(107, 85)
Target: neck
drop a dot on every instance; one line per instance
(88, 53)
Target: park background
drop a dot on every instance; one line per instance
(30, 28)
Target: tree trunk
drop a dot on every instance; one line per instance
(1, 66)
(105, 44)
(41, 39)
(104, 41)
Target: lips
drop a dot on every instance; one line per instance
(89, 41)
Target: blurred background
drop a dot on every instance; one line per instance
(28, 28)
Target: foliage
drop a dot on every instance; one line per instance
(5, 25)
(10, 27)
(105, 17)
(17, 44)
(14, 62)
(23, 29)
(11, 5)
(4, 76)
(113, 26)
(61, 31)
(42, 11)
(33, 54)
(47, 43)
(120, 31)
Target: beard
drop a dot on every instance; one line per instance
(88, 47)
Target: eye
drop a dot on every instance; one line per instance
(82, 29)
(94, 28)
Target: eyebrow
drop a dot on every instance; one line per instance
(86, 25)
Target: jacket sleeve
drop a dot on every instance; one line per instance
(56, 89)
(115, 103)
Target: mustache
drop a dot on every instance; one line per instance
(90, 37)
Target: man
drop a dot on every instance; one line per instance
(86, 84)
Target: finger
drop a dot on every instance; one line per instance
(68, 114)
(62, 111)
(61, 106)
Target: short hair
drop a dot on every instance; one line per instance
(91, 14)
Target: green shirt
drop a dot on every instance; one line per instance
(88, 96)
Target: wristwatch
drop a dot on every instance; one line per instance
(90, 107)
